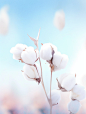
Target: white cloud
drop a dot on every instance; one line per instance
(4, 20)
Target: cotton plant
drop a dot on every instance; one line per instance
(32, 71)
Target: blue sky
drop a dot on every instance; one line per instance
(26, 17)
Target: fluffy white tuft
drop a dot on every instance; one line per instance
(29, 55)
(59, 20)
(46, 51)
(59, 61)
(31, 72)
(67, 81)
(17, 50)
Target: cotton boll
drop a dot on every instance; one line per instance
(69, 82)
(59, 20)
(59, 61)
(74, 106)
(78, 92)
(29, 55)
(16, 57)
(17, 50)
(64, 61)
(55, 97)
(46, 52)
(53, 46)
(57, 57)
(29, 71)
(61, 77)
(32, 72)
(20, 46)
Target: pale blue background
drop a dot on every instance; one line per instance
(26, 17)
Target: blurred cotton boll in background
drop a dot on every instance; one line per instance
(78, 92)
(79, 65)
(4, 20)
(59, 20)
(83, 80)
(74, 106)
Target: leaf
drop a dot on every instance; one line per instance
(38, 34)
(33, 39)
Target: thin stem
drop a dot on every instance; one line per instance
(50, 93)
(41, 68)
(42, 80)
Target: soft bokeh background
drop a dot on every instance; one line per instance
(26, 17)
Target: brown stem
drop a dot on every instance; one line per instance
(50, 93)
